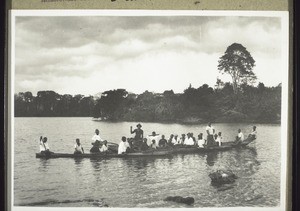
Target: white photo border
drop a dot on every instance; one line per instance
(284, 15)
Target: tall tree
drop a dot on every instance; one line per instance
(238, 63)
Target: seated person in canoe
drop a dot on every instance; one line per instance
(201, 141)
(104, 147)
(253, 132)
(123, 146)
(44, 147)
(163, 142)
(175, 139)
(182, 140)
(153, 145)
(240, 137)
(154, 136)
(219, 139)
(78, 147)
(170, 140)
(189, 141)
(96, 147)
(144, 145)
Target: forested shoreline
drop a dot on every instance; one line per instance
(258, 104)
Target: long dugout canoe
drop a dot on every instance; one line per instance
(152, 153)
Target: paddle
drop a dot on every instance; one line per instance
(112, 143)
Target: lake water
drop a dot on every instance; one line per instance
(141, 182)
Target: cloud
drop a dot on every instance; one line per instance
(137, 53)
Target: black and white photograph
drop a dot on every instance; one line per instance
(148, 109)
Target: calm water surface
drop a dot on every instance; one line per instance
(141, 182)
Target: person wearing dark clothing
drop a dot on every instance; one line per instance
(162, 142)
(139, 133)
(96, 147)
(144, 145)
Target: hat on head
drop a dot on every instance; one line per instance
(139, 125)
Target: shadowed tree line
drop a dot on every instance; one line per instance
(202, 104)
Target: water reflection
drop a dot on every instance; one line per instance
(211, 158)
(44, 163)
(78, 161)
(96, 163)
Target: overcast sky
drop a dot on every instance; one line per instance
(87, 55)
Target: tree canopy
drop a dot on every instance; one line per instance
(194, 105)
(238, 63)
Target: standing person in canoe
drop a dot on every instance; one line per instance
(44, 147)
(139, 133)
(138, 138)
(97, 137)
(78, 147)
(210, 134)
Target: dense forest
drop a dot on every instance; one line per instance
(202, 104)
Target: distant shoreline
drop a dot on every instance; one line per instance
(162, 122)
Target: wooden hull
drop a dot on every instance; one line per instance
(104, 155)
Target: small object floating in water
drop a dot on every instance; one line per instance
(221, 177)
(179, 199)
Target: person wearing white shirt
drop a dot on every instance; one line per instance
(78, 147)
(97, 137)
(201, 141)
(153, 145)
(219, 139)
(122, 146)
(189, 140)
(240, 136)
(154, 136)
(174, 139)
(104, 147)
(44, 147)
(177, 141)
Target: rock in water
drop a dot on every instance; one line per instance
(179, 199)
(222, 177)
